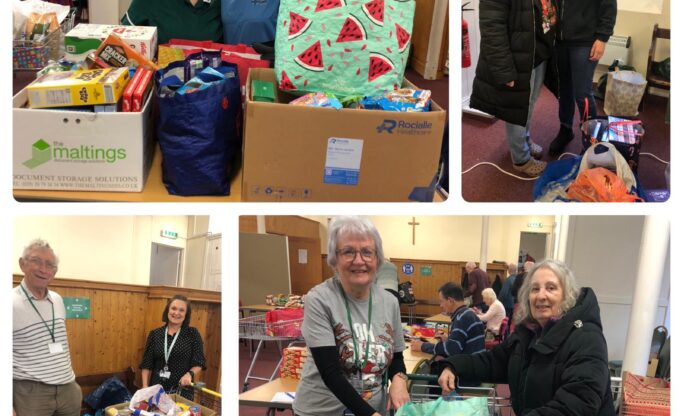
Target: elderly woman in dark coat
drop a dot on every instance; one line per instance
(517, 41)
(556, 360)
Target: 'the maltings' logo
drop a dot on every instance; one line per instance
(40, 153)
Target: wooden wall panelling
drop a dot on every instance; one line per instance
(293, 226)
(121, 316)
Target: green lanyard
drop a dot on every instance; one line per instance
(52, 333)
(353, 336)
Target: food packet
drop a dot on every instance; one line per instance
(318, 99)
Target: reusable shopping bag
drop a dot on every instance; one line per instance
(474, 406)
(285, 322)
(623, 93)
(626, 135)
(199, 132)
(405, 292)
(111, 391)
(343, 47)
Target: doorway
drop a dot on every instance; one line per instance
(164, 268)
(532, 246)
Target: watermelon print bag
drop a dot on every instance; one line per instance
(343, 47)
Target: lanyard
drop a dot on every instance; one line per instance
(52, 332)
(167, 350)
(353, 336)
(544, 8)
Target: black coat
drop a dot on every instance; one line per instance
(564, 372)
(583, 21)
(508, 39)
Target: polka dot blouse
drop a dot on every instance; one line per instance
(187, 352)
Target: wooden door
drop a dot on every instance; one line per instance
(305, 263)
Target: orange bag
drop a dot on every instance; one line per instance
(600, 185)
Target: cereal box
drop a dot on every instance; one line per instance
(76, 88)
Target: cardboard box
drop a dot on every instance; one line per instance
(74, 88)
(305, 154)
(81, 151)
(87, 37)
(178, 399)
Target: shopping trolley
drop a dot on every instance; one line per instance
(256, 328)
(201, 395)
(615, 386)
(424, 387)
(34, 55)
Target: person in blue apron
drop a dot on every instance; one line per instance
(353, 331)
(174, 353)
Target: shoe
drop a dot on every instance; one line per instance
(532, 168)
(564, 136)
(535, 149)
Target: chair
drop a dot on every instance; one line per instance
(502, 334)
(652, 77)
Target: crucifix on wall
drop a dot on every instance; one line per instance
(413, 223)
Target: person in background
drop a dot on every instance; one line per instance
(505, 295)
(556, 359)
(495, 314)
(387, 277)
(174, 353)
(353, 331)
(466, 335)
(43, 381)
(517, 40)
(178, 19)
(477, 280)
(584, 28)
(519, 279)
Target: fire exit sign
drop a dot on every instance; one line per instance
(169, 234)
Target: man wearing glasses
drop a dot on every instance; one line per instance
(43, 379)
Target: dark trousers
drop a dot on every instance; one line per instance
(576, 82)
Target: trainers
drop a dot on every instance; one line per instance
(564, 136)
(532, 168)
(535, 149)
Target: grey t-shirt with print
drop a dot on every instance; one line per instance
(326, 324)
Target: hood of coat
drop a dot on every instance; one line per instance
(585, 312)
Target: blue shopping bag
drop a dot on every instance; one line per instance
(199, 132)
(474, 406)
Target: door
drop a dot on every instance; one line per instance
(212, 271)
(164, 269)
(305, 263)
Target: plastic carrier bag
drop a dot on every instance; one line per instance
(343, 47)
(155, 396)
(600, 185)
(284, 322)
(199, 132)
(475, 406)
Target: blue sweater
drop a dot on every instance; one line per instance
(466, 336)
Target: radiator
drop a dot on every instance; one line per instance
(617, 48)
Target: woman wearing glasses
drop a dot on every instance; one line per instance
(353, 330)
(174, 354)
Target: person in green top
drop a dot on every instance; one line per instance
(178, 19)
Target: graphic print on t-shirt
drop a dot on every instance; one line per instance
(380, 352)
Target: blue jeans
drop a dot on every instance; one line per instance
(518, 136)
(576, 82)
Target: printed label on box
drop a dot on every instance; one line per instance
(342, 165)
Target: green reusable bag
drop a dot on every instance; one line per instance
(343, 47)
(474, 406)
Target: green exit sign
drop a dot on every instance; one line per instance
(77, 308)
(169, 234)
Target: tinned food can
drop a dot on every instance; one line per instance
(195, 411)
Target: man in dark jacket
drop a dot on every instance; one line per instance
(583, 29)
(517, 38)
(477, 280)
(553, 364)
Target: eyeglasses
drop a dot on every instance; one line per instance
(38, 262)
(349, 254)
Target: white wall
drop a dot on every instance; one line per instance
(99, 248)
(603, 252)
